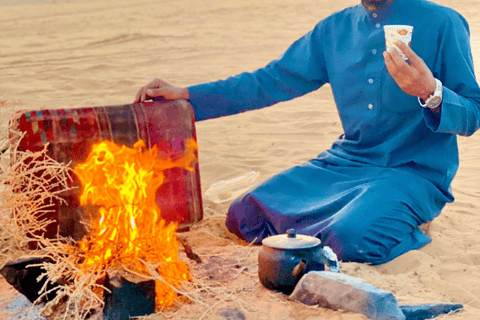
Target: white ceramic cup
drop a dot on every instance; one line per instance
(397, 32)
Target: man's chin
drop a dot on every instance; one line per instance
(375, 4)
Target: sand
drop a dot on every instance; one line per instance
(58, 54)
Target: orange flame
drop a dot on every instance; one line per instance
(122, 182)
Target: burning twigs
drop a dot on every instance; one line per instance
(127, 233)
(129, 228)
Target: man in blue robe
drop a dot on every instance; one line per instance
(391, 170)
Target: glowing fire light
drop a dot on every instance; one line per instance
(122, 183)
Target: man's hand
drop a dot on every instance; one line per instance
(160, 88)
(414, 79)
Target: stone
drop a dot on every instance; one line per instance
(24, 275)
(231, 314)
(125, 298)
(429, 311)
(339, 291)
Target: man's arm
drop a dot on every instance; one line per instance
(301, 69)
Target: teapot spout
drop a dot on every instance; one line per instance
(327, 257)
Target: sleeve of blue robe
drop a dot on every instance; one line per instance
(301, 69)
(460, 112)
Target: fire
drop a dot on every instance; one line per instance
(122, 183)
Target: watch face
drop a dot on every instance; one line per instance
(434, 102)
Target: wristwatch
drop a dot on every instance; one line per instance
(435, 99)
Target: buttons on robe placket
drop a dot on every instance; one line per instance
(374, 17)
(374, 51)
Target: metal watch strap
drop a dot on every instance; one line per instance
(424, 105)
(438, 92)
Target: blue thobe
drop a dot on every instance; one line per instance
(392, 168)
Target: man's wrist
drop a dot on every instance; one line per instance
(428, 92)
(434, 99)
(184, 94)
(423, 98)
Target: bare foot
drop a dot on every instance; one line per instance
(425, 227)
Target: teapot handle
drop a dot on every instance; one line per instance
(299, 269)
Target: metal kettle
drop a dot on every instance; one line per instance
(284, 259)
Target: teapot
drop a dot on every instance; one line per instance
(285, 258)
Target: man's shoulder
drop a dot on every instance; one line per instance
(347, 15)
(438, 10)
(430, 15)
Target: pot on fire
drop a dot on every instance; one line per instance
(284, 259)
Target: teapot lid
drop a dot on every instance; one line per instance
(291, 240)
